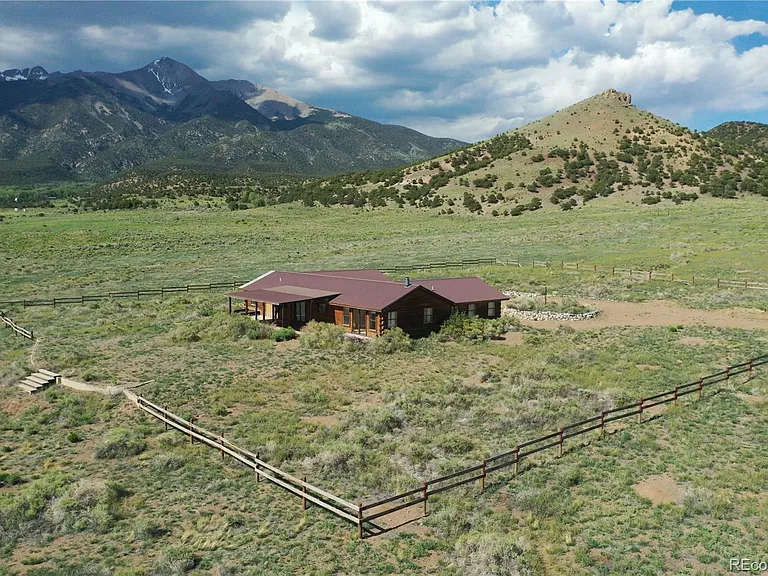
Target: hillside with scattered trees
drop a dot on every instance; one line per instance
(598, 149)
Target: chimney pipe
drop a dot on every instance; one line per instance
(407, 281)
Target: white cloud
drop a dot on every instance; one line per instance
(461, 69)
(21, 48)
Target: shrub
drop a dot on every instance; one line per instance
(259, 332)
(88, 506)
(74, 437)
(168, 461)
(461, 328)
(391, 341)
(322, 336)
(120, 443)
(29, 504)
(175, 561)
(144, 529)
(10, 479)
(186, 333)
(283, 334)
(491, 554)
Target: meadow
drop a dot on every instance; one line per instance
(90, 485)
(50, 252)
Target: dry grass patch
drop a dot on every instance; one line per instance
(660, 489)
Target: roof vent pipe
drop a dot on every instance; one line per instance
(407, 281)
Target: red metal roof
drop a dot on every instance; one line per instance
(462, 290)
(368, 274)
(277, 296)
(356, 291)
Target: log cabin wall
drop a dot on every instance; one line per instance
(481, 308)
(410, 312)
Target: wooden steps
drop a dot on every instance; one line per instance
(39, 381)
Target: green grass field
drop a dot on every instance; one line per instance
(62, 253)
(89, 485)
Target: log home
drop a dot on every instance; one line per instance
(365, 302)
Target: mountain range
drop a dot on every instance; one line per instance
(165, 116)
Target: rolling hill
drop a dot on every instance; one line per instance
(93, 125)
(600, 148)
(748, 134)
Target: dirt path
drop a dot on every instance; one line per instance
(659, 313)
(109, 390)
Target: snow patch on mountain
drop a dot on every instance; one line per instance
(15, 75)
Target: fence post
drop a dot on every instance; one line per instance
(304, 493)
(701, 386)
(649, 274)
(165, 420)
(613, 271)
(673, 276)
(258, 476)
(517, 460)
(482, 478)
(54, 302)
(749, 376)
(221, 441)
(191, 438)
(693, 280)
(640, 414)
(560, 448)
(595, 267)
(360, 520)
(675, 395)
(424, 494)
(577, 266)
(745, 284)
(718, 282)
(602, 423)
(728, 376)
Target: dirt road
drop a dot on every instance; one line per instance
(660, 313)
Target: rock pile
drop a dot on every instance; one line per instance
(540, 315)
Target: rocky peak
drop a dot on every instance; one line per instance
(613, 94)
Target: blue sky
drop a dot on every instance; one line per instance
(461, 69)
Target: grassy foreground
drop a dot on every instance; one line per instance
(89, 486)
(94, 487)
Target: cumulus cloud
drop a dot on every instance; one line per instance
(450, 68)
(334, 21)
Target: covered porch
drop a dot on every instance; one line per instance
(285, 306)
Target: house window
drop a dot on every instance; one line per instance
(322, 308)
(301, 311)
(491, 309)
(371, 320)
(472, 310)
(454, 310)
(346, 316)
(428, 313)
(391, 319)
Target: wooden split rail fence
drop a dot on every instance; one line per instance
(29, 334)
(578, 266)
(439, 265)
(364, 516)
(636, 274)
(138, 293)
